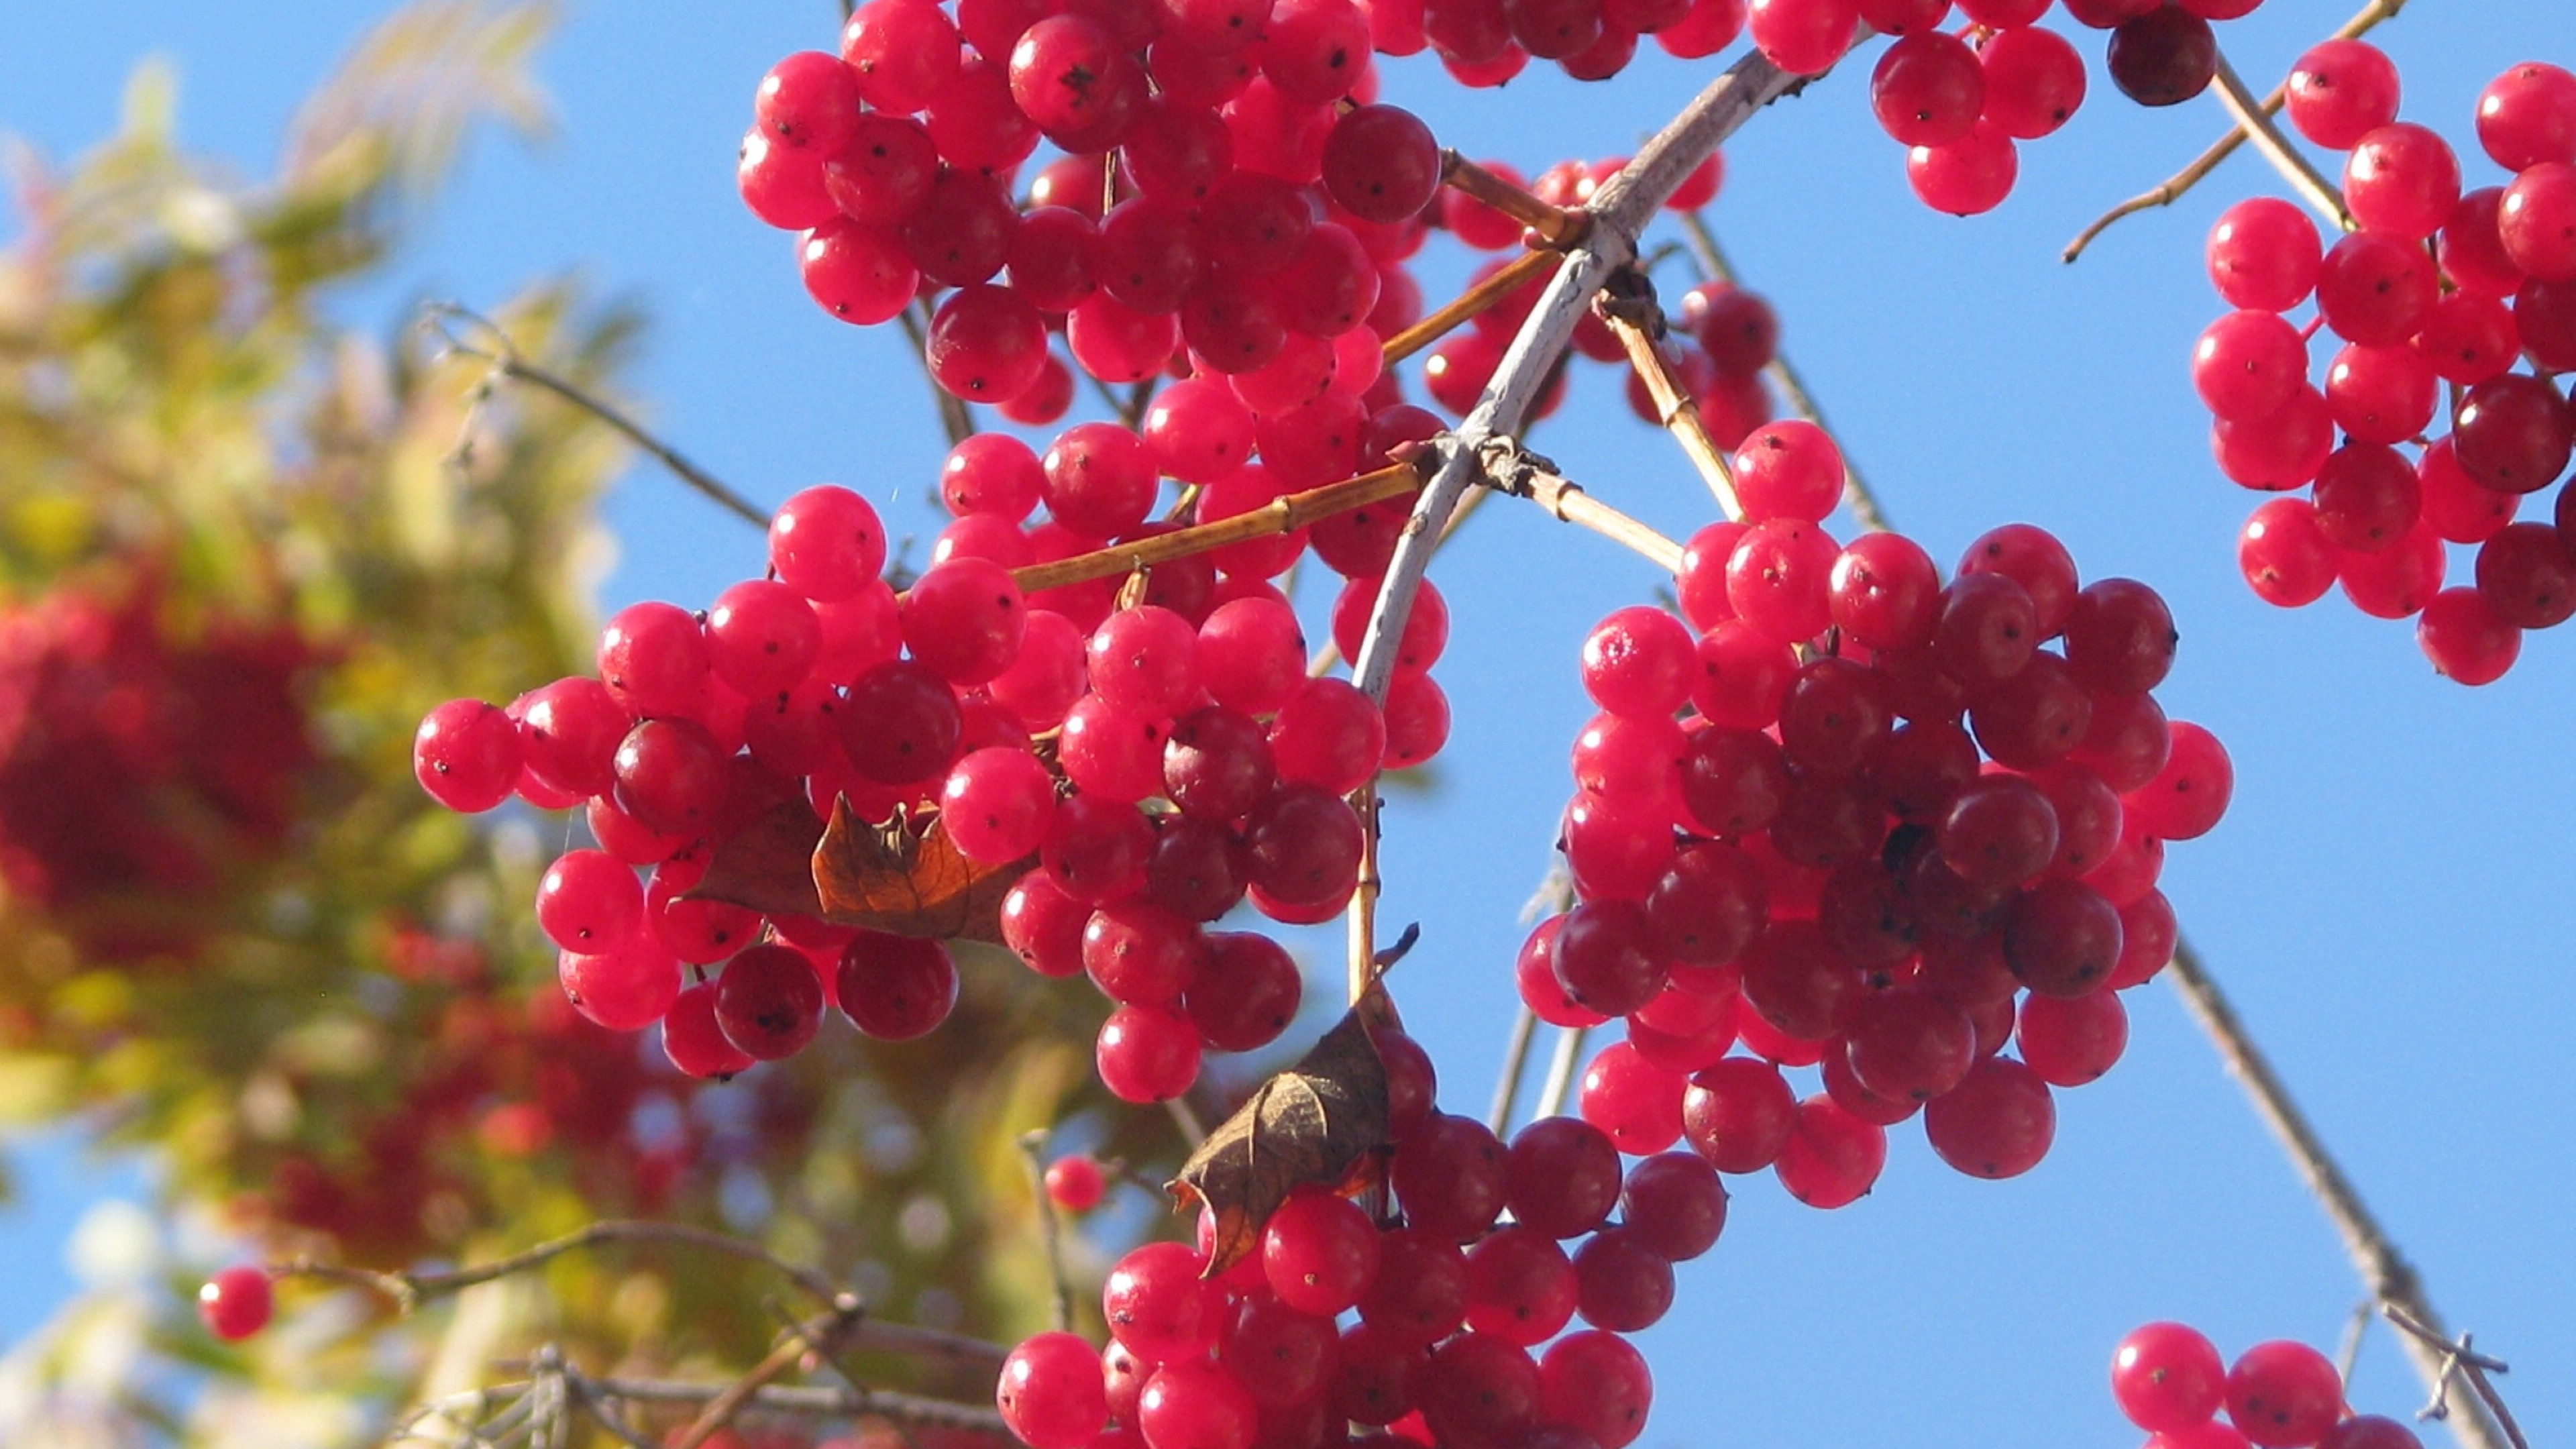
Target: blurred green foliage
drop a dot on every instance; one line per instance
(253, 946)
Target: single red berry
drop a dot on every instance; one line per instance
(236, 1302)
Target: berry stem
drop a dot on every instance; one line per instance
(2294, 166)
(822, 1337)
(503, 355)
(2225, 146)
(1555, 896)
(412, 1291)
(1362, 915)
(1784, 374)
(1506, 280)
(1638, 320)
(1507, 1087)
(1555, 226)
(1033, 1148)
(1524, 474)
(2384, 1270)
(1281, 515)
(596, 1396)
(1561, 1067)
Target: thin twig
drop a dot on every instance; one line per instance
(1186, 1117)
(410, 1291)
(2293, 164)
(1554, 897)
(820, 1335)
(1560, 1072)
(503, 355)
(1636, 318)
(1362, 916)
(1784, 375)
(1523, 474)
(1507, 1087)
(2349, 1351)
(954, 417)
(804, 1402)
(1554, 225)
(2384, 1270)
(1033, 1146)
(1510, 277)
(2460, 1358)
(2225, 146)
(1285, 514)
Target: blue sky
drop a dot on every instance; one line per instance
(2387, 902)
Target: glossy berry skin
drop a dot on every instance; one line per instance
(1478, 1389)
(1832, 1157)
(2034, 81)
(1563, 1177)
(2370, 1431)
(1738, 1114)
(1966, 177)
(2283, 1394)
(1147, 1054)
(1196, 1405)
(1673, 1205)
(466, 755)
(1927, 89)
(826, 542)
(895, 988)
(1157, 1305)
(1075, 1183)
(2340, 91)
(693, 1040)
(2527, 116)
(1597, 1385)
(1319, 1253)
(2163, 57)
(236, 1302)
(1449, 1178)
(1050, 1392)
(2167, 1378)
(2263, 254)
(1998, 1122)
(769, 1002)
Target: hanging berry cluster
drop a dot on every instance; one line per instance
(2434, 289)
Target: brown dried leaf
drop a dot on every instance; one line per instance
(1310, 1124)
(768, 865)
(883, 877)
(892, 879)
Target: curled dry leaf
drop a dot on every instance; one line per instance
(889, 877)
(1312, 1123)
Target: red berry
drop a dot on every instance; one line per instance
(236, 1302)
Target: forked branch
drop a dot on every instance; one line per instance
(2173, 187)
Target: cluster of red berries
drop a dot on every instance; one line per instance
(1160, 762)
(1960, 101)
(2436, 287)
(1887, 814)
(137, 763)
(2170, 1381)
(1425, 1325)
(1214, 206)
